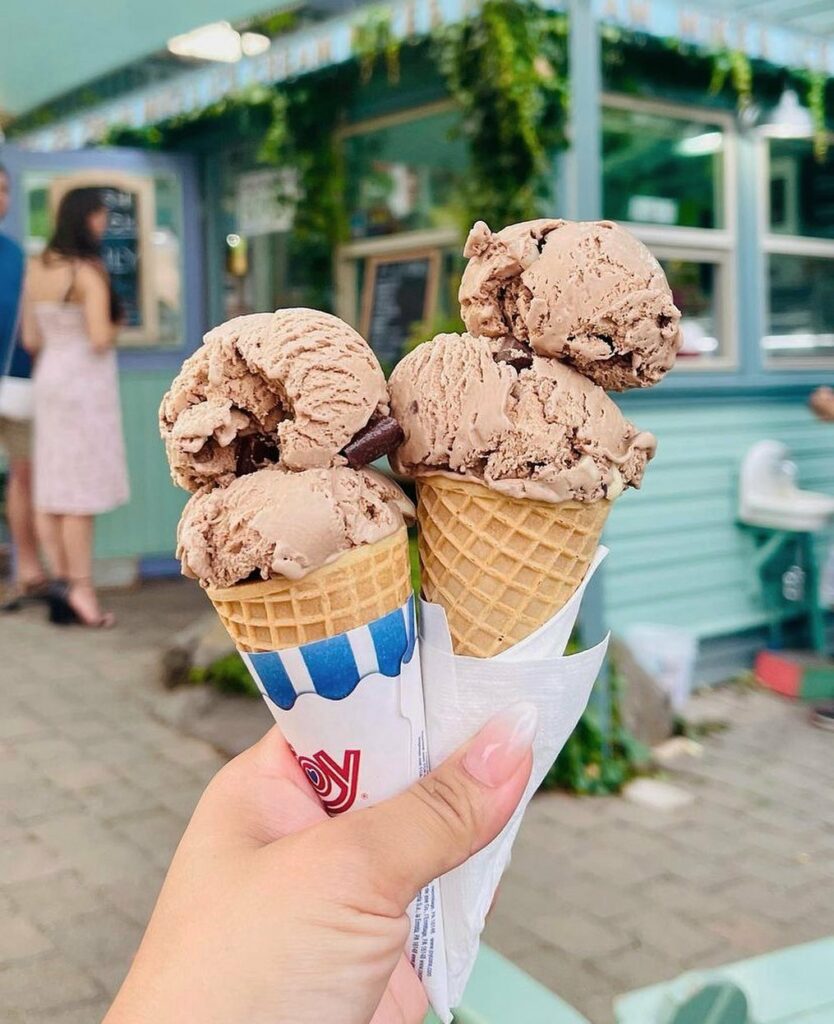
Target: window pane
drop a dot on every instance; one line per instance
(801, 319)
(695, 288)
(662, 170)
(801, 189)
(404, 177)
(141, 246)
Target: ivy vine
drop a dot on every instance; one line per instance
(506, 68)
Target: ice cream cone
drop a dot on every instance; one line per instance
(500, 566)
(365, 583)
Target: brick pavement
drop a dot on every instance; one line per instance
(602, 895)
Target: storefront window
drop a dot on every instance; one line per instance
(799, 243)
(662, 170)
(141, 246)
(695, 287)
(403, 175)
(665, 174)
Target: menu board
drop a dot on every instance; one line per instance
(120, 250)
(399, 291)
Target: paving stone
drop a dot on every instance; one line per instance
(96, 852)
(136, 896)
(578, 934)
(101, 937)
(636, 966)
(28, 859)
(110, 976)
(156, 832)
(45, 983)
(668, 934)
(51, 902)
(116, 798)
(76, 773)
(15, 726)
(20, 939)
(36, 798)
(575, 981)
(748, 934)
(50, 748)
(83, 1013)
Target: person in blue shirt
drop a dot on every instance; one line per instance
(15, 420)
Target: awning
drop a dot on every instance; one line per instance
(331, 42)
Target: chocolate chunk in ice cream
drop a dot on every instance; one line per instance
(380, 437)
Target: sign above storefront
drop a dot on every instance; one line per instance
(265, 201)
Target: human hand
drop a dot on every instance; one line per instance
(273, 913)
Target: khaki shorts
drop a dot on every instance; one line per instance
(16, 439)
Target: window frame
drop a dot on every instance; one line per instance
(778, 244)
(718, 246)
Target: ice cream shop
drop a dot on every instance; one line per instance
(334, 155)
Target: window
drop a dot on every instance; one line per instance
(141, 246)
(665, 175)
(799, 247)
(402, 175)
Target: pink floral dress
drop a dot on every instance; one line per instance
(79, 455)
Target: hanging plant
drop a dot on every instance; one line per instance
(374, 37)
(505, 67)
(816, 104)
(733, 67)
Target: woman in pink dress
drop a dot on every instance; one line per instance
(70, 321)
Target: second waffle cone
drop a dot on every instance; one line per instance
(364, 584)
(500, 566)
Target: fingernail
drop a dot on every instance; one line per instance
(501, 746)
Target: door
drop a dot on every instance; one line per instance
(154, 252)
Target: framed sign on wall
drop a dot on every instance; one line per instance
(400, 289)
(127, 246)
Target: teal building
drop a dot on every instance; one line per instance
(700, 127)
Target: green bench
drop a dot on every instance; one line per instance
(790, 986)
(501, 993)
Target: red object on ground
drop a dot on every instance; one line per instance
(779, 672)
(796, 674)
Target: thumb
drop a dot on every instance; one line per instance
(450, 814)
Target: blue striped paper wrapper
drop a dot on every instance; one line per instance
(351, 708)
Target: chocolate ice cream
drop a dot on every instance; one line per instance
(588, 293)
(520, 424)
(279, 523)
(291, 388)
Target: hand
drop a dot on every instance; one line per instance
(273, 913)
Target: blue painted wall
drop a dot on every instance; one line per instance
(677, 557)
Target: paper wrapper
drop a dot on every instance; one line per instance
(351, 708)
(460, 695)
(369, 711)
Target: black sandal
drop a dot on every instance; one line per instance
(63, 613)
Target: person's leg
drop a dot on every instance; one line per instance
(21, 516)
(49, 532)
(77, 535)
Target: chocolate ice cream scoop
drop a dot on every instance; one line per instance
(278, 523)
(585, 292)
(541, 431)
(292, 388)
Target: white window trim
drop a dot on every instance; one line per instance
(705, 245)
(774, 243)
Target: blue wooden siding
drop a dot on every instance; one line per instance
(677, 557)
(147, 524)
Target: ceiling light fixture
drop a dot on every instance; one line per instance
(217, 41)
(789, 119)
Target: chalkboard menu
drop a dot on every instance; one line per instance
(120, 250)
(399, 291)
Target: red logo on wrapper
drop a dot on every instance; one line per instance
(335, 784)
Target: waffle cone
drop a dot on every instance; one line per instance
(365, 583)
(500, 566)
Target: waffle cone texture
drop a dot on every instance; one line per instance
(360, 586)
(500, 566)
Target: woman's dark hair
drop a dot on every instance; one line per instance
(73, 239)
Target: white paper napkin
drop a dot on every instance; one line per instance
(460, 695)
